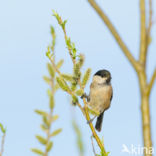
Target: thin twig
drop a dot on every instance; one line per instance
(93, 146)
(2, 144)
(92, 128)
(148, 31)
(151, 83)
(142, 33)
(114, 33)
(150, 18)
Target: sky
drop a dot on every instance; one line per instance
(24, 36)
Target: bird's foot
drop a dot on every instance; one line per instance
(91, 120)
(85, 96)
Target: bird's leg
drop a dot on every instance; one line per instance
(85, 96)
(91, 120)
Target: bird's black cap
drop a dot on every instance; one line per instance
(103, 73)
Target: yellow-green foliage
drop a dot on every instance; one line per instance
(81, 60)
(51, 70)
(74, 100)
(79, 92)
(68, 77)
(62, 84)
(47, 117)
(37, 151)
(86, 77)
(3, 130)
(59, 64)
(78, 138)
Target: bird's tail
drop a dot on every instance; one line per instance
(99, 122)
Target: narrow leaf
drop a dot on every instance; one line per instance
(56, 87)
(49, 146)
(41, 139)
(51, 70)
(86, 77)
(51, 102)
(2, 128)
(40, 112)
(46, 121)
(37, 151)
(56, 132)
(44, 127)
(81, 60)
(77, 73)
(67, 77)
(55, 117)
(62, 84)
(47, 79)
(59, 64)
(74, 100)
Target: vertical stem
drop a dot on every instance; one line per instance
(2, 145)
(142, 33)
(146, 126)
(145, 113)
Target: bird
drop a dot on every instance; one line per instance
(100, 95)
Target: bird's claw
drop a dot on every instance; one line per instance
(85, 96)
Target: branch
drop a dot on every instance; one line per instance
(148, 31)
(150, 19)
(92, 128)
(114, 33)
(151, 83)
(3, 130)
(142, 33)
(76, 78)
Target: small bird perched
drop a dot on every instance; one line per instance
(100, 95)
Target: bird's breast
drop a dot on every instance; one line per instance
(100, 97)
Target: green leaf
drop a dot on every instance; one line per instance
(81, 60)
(64, 24)
(73, 50)
(37, 151)
(79, 137)
(53, 38)
(62, 84)
(44, 127)
(52, 30)
(51, 102)
(68, 43)
(41, 139)
(49, 92)
(40, 112)
(60, 63)
(74, 85)
(49, 146)
(67, 77)
(74, 100)
(56, 87)
(86, 77)
(46, 121)
(79, 92)
(56, 132)
(47, 79)
(2, 128)
(55, 14)
(51, 70)
(77, 73)
(55, 117)
(48, 54)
